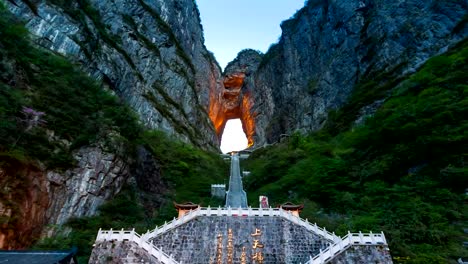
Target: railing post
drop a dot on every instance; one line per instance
(383, 237)
(209, 211)
(361, 238)
(239, 211)
(218, 213)
(98, 234)
(372, 238)
(229, 211)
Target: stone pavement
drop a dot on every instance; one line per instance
(236, 196)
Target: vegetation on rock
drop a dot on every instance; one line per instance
(49, 108)
(403, 171)
(75, 109)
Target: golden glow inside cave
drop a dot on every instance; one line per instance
(231, 104)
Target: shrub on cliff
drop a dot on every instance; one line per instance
(402, 172)
(76, 109)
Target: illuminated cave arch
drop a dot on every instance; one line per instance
(233, 103)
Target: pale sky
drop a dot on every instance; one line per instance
(233, 25)
(233, 138)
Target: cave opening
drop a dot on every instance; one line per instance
(233, 137)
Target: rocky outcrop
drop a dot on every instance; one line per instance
(151, 53)
(147, 176)
(23, 203)
(79, 191)
(236, 100)
(330, 46)
(32, 197)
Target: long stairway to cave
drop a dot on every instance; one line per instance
(236, 196)
(238, 233)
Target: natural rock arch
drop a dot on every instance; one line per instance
(235, 100)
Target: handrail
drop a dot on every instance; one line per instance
(208, 211)
(367, 239)
(131, 235)
(339, 245)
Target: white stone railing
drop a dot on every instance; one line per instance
(359, 239)
(241, 212)
(131, 235)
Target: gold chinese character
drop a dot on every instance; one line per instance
(230, 247)
(257, 232)
(243, 256)
(219, 250)
(257, 244)
(258, 257)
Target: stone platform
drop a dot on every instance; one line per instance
(219, 235)
(284, 242)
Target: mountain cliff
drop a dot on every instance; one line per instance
(331, 48)
(69, 142)
(150, 53)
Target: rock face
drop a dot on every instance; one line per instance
(235, 100)
(79, 191)
(151, 53)
(329, 46)
(33, 197)
(23, 203)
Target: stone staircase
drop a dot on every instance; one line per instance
(330, 246)
(351, 239)
(247, 212)
(205, 234)
(132, 236)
